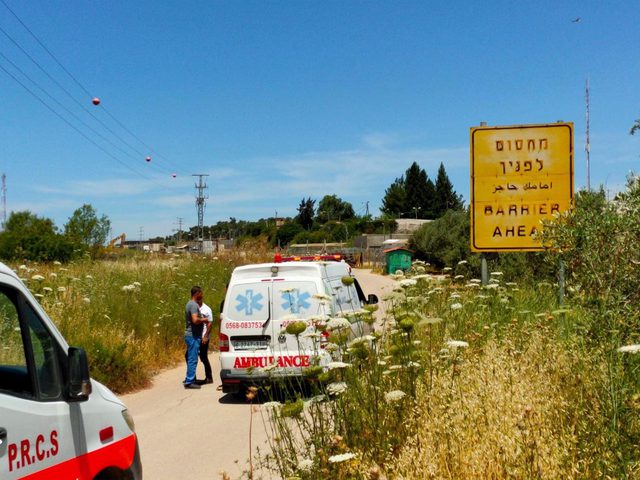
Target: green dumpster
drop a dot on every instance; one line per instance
(398, 258)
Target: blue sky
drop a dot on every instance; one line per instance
(279, 100)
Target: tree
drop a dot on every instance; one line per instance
(420, 192)
(287, 232)
(29, 237)
(306, 213)
(331, 207)
(635, 128)
(84, 227)
(445, 197)
(395, 198)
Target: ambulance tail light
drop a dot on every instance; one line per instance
(223, 342)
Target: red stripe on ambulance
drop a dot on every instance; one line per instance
(119, 454)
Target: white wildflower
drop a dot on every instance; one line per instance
(492, 286)
(457, 344)
(38, 295)
(394, 396)
(47, 289)
(458, 277)
(37, 278)
(271, 405)
(447, 269)
(136, 284)
(396, 367)
(336, 388)
(86, 300)
(456, 306)
(343, 457)
(88, 277)
(454, 295)
(23, 267)
(462, 262)
(496, 274)
(305, 465)
(322, 296)
(128, 288)
(407, 282)
(53, 275)
(630, 349)
(337, 365)
(475, 280)
(338, 323)
(62, 289)
(57, 263)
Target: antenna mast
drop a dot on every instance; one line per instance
(200, 202)
(587, 146)
(4, 200)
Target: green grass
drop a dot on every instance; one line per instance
(128, 314)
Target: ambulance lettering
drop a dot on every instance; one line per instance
(261, 362)
(26, 453)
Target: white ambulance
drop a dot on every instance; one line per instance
(260, 302)
(55, 422)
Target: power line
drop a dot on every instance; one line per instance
(79, 84)
(61, 105)
(89, 139)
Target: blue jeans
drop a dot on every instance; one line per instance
(191, 355)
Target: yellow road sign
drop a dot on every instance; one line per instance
(519, 175)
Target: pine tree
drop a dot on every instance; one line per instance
(394, 201)
(420, 192)
(306, 212)
(445, 198)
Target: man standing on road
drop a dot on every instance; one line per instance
(192, 335)
(207, 316)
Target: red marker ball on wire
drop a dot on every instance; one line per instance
(148, 159)
(95, 101)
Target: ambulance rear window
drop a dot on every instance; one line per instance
(248, 301)
(295, 298)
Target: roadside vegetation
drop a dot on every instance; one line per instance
(495, 381)
(128, 314)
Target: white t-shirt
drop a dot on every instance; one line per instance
(206, 312)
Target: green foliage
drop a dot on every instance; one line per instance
(445, 196)
(420, 193)
(445, 241)
(287, 232)
(635, 128)
(395, 198)
(415, 195)
(331, 207)
(306, 213)
(598, 242)
(29, 237)
(85, 228)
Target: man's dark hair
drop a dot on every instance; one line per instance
(195, 289)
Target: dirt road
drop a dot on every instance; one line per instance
(199, 433)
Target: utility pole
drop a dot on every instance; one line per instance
(367, 208)
(180, 221)
(587, 146)
(200, 202)
(141, 233)
(4, 200)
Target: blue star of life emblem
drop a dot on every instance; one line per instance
(295, 301)
(248, 302)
